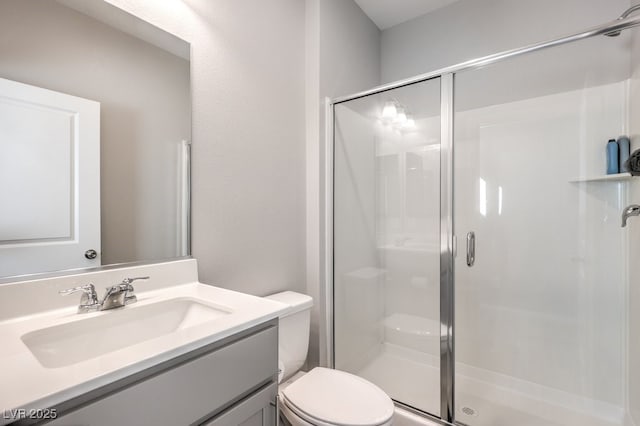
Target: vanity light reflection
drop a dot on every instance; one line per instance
(397, 116)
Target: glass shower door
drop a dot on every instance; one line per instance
(386, 241)
(540, 309)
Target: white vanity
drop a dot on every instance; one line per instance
(185, 353)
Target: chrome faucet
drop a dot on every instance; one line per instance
(120, 294)
(632, 210)
(115, 297)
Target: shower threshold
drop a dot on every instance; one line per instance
(482, 399)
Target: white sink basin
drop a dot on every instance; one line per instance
(70, 343)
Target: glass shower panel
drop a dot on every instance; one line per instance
(540, 318)
(386, 241)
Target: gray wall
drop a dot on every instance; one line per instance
(343, 56)
(45, 44)
(248, 137)
(260, 73)
(469, 29)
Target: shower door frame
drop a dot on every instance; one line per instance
(447, 231)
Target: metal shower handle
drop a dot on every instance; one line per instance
(471, 248)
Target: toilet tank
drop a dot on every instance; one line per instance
(293, 332)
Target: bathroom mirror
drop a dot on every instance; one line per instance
(95, 124)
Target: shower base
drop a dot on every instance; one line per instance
(483, 398)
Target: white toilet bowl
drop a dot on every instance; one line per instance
(323, 396)
(326, 397)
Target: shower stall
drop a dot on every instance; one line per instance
(479, 271)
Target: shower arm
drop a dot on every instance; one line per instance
(622, 17)
(629, 11)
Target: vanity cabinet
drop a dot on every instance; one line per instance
(229, 383)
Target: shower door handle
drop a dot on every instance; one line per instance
(471, 248)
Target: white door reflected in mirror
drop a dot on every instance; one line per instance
(50, 174)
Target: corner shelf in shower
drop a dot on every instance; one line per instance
(619, 177)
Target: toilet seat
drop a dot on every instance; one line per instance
(327, 397)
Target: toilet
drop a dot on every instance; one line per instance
(323, 396)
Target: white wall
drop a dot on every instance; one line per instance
(248, 87)
(469, 29)
(49, 45)
(343, 56)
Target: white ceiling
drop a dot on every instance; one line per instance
(387, 13)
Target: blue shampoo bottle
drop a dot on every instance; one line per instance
(612, 157)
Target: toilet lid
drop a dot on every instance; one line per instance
(327, 396)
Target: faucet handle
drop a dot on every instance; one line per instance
(88, 289)
(130, 297)
(632, 210)
(89, 299)
(130, 280)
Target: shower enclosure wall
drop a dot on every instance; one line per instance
(480, 272)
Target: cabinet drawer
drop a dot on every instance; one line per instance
(256, 410)
(189, 392)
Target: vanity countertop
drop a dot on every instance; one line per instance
(28, 385)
